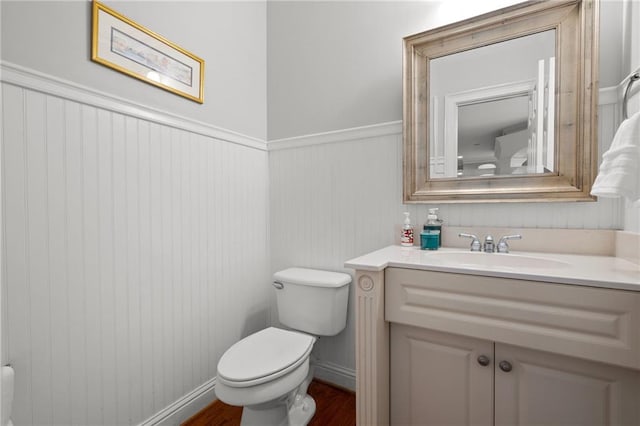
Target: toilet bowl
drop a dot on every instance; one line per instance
(267, 384)
(268, 372)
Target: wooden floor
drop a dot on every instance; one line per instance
(334, 406)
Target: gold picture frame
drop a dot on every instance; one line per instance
(126, 46)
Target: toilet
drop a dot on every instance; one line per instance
(268, 372)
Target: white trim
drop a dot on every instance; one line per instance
(34, 80)
(354, 133)
(185, 407)
(203, 395)
(453, 101)
(550, 115)
(608, 95)
(336, 374)
(612, 94)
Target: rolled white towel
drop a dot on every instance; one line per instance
(619, 174)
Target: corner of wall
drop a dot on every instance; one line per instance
(627, 246)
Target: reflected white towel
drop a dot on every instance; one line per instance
(619, 175)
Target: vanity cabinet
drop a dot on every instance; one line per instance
(436, 380)
(543, 388)
(440, 378)
(483, 350)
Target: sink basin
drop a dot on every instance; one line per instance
(495, 260)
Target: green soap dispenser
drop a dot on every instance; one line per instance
(434, 225)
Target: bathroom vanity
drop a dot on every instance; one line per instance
(455, 337)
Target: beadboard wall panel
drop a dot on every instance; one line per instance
(328, 202)
(127, 235)
(134, 254)
(334, 198)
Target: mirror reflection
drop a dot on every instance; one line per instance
(492, 109)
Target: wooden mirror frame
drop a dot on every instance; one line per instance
(576, 136)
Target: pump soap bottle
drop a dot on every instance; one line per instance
(406, 238)
(431, 235)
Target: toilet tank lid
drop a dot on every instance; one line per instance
(312, 277)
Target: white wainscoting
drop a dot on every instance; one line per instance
(134, 252)
(329, 202)
(339, 195)
(136, 244)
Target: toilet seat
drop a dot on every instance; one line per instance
(264, 356)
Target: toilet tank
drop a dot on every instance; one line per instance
(312, 301)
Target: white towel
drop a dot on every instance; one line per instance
(619, 175)
(8, 378)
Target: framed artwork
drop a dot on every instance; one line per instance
(122, 44)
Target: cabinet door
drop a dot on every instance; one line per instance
(436, 378)
(549, 389)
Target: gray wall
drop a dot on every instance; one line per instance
(613, 52)
(333, 201)
(54, 37)
(331, 66)
(125, 230)
(343, 67)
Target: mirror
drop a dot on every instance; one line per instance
(492, 110)
(502, 106)
(493, 138)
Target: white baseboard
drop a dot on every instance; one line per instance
(203, 395)
(185, 407)
(336, 374)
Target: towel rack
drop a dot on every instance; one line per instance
(632, 79)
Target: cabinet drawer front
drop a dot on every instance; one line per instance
(591, 323)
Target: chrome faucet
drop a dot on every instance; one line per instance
(503, 247)
(475, 242)
(488, 246)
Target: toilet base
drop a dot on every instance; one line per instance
(268, 414)
(301, 414)
(295, 409)
(298, 414)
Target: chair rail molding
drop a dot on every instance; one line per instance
(20, 76)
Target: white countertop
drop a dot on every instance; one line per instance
(594, 271)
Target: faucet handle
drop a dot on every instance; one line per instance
(503, 247)
(489, 245)
(475, 243)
